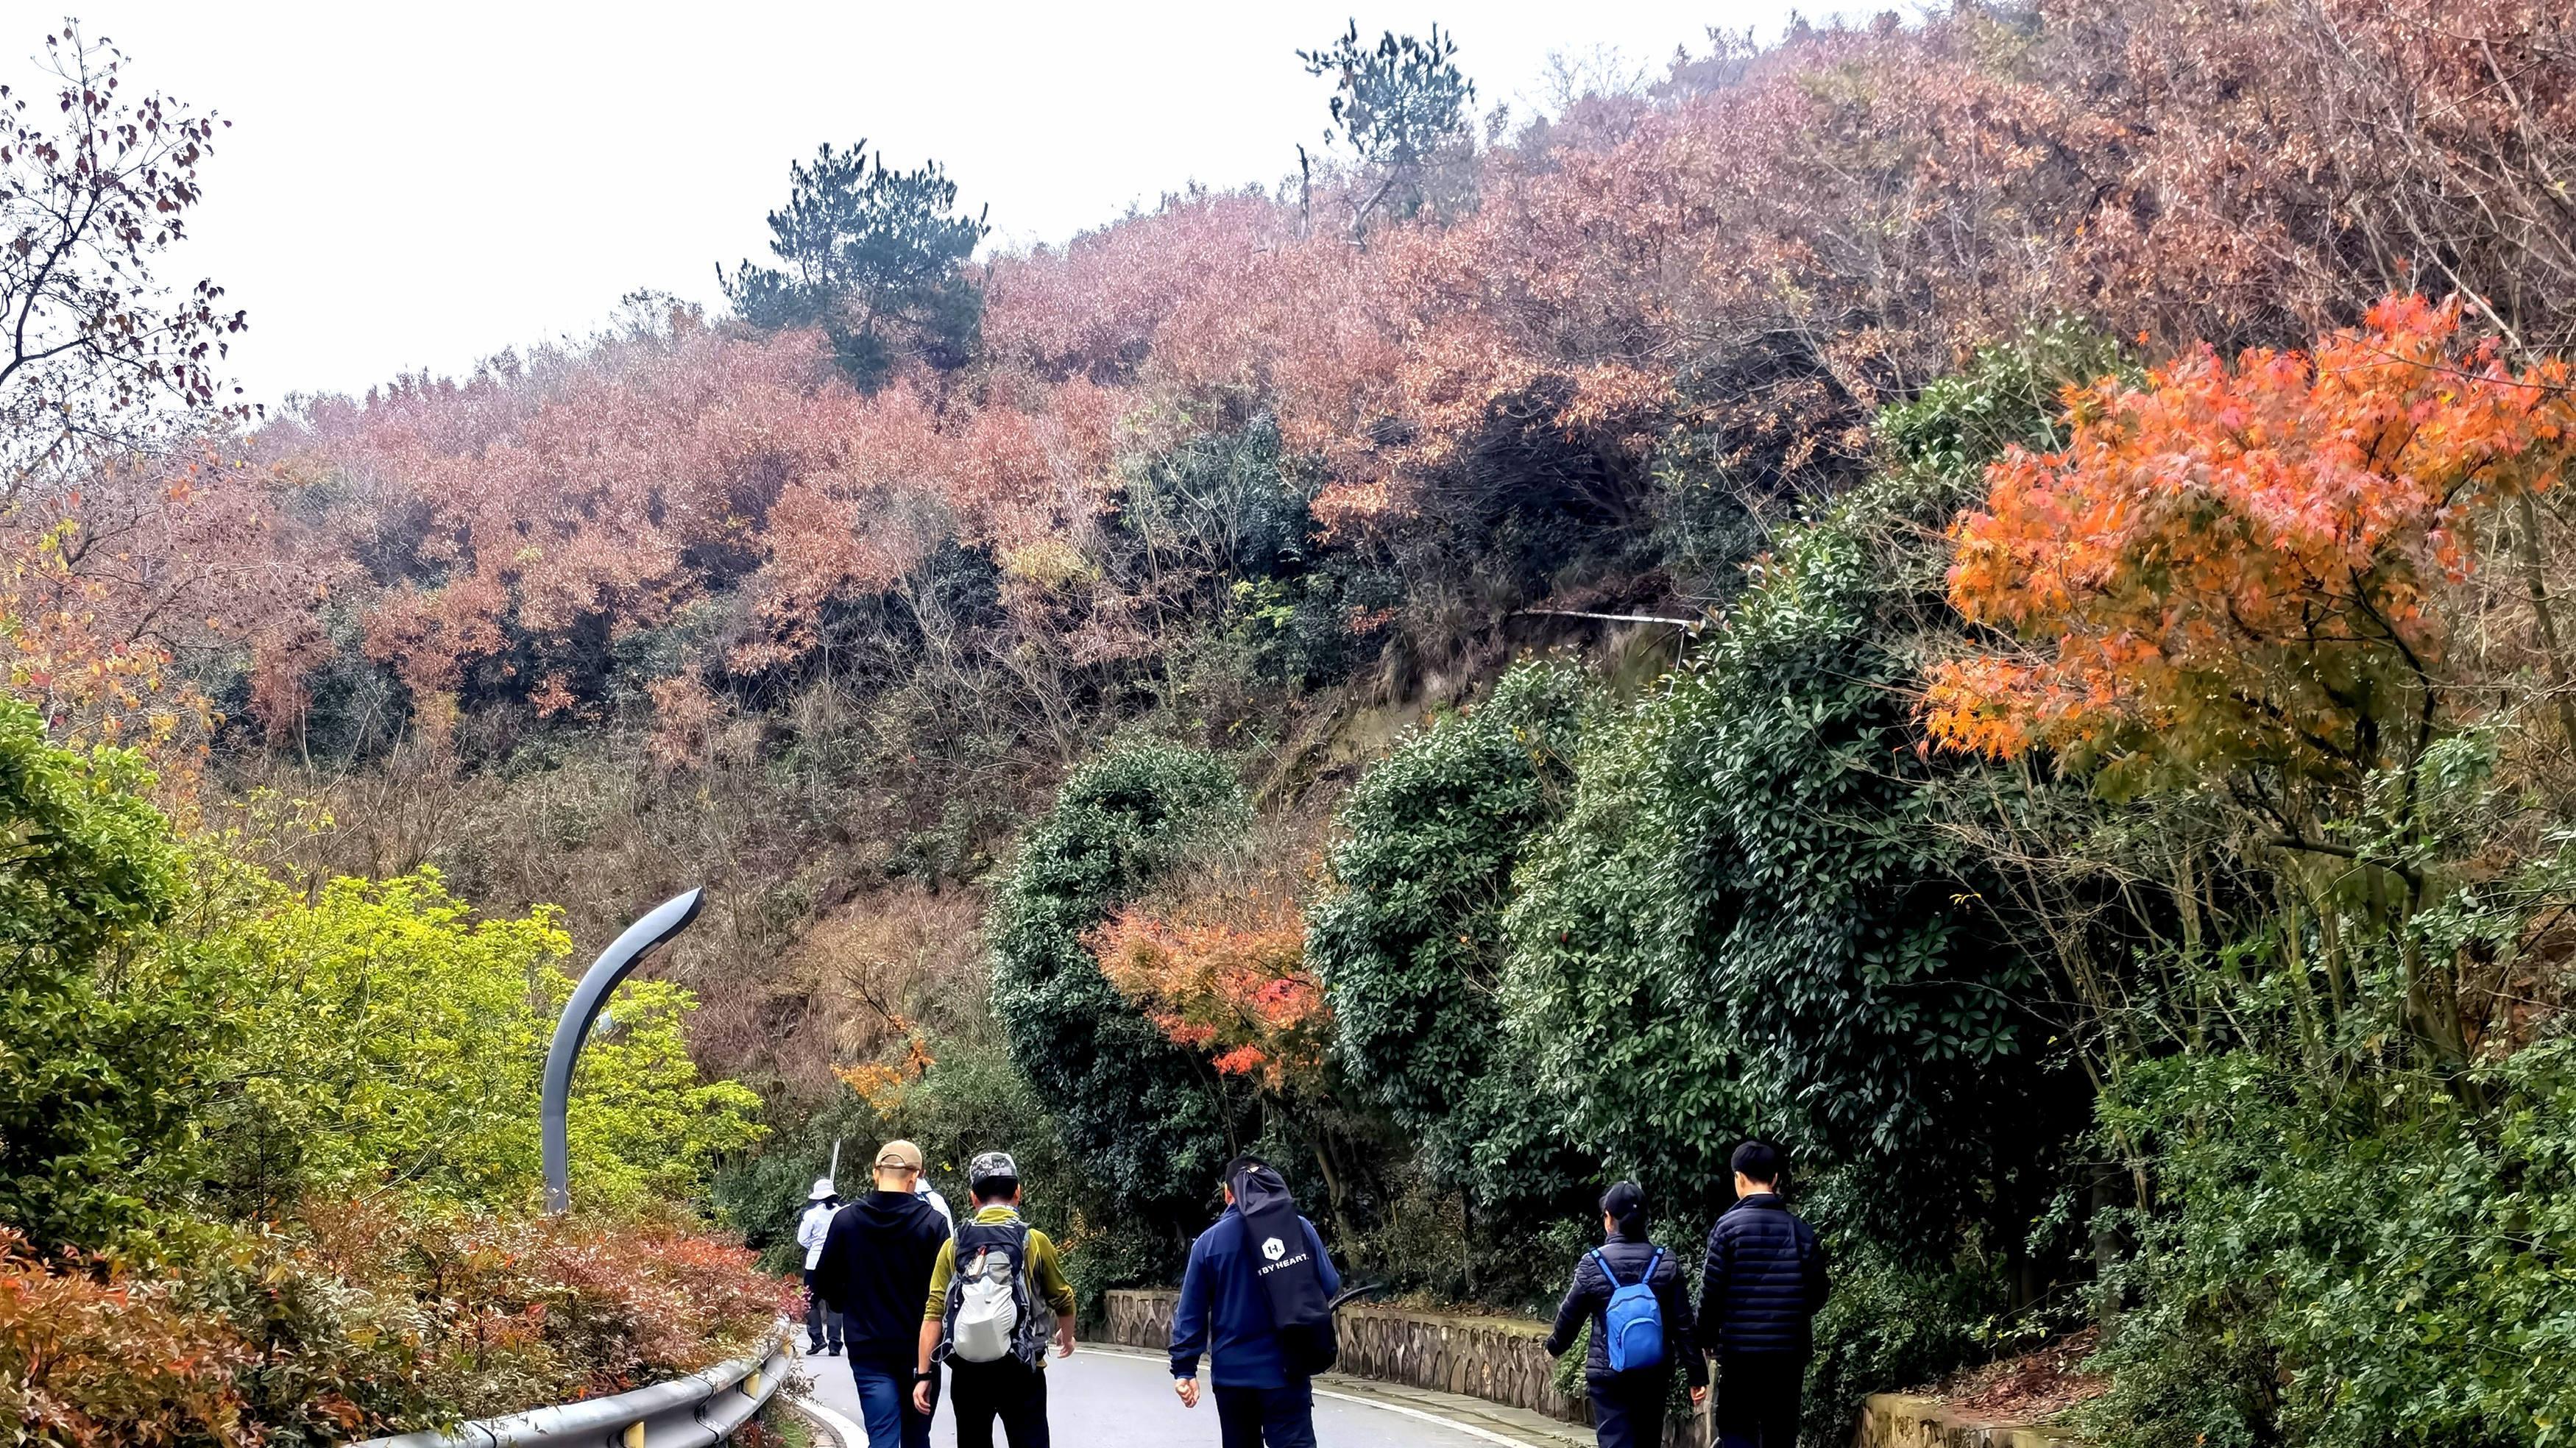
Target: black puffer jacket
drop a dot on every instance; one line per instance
(1590, 1297)
(1763, 1282)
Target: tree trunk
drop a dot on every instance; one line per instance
(2527, 547)
(2106, 1247)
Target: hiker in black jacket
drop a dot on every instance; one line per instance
(1628, 1407)
(1761, 1286)
(875, 1272)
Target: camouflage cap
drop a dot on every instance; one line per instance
(989, 1165)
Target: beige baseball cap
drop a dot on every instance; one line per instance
(899, 1153)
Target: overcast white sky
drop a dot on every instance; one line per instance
(412, 186)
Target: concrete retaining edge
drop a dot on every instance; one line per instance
(1907, 1420)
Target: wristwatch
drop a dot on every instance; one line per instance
(923, 1375)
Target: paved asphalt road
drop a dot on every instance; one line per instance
(1106, 1398)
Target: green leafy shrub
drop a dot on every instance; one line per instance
(1753, 916)
(1750, 922)
(761, 1193)
(971, 1101)
(1222, 522)
(1136, 1110)
(1890, 1325)
(1567, 1375)
(1221, 507)
(2007, 396)
(2371, 1261)
(106, 1038)
(1409, 941)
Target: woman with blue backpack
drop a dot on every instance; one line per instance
(1631, 1291)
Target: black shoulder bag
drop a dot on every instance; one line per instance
(1289, 1275)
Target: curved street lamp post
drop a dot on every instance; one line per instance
(622, 956)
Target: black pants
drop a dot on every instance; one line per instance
(1265, 1417)
(1628, 1410)
(1757, 1399)
(819, 1319)
(1010, 1390)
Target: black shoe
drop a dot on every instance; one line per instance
(833, 1351)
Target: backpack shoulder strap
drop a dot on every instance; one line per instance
(981, 1236)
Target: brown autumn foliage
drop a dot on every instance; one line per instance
(359, 1319)
(828, 634)
(1736, 273)
(1749, 265)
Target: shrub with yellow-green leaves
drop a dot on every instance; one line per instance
(265, 1148)
(390, 1038)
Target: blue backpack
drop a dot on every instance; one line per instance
(1634, 1319)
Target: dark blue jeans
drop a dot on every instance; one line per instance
(885, 1402)
(1628, 1410)
(1267, 1417)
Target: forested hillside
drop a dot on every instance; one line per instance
(1974, 595)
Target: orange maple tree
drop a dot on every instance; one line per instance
(1229, 978)
(881, 1084)
(2233, 565)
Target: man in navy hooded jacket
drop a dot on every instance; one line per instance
(1260, 1399)
(1759, 1292)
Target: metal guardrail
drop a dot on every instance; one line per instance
(697, 1411)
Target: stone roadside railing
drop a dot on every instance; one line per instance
(1503, 1360)
(1499, 1359)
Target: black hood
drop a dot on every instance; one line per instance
(891, 1209)
(1284, 1265)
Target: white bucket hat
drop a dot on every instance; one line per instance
(822, 1189)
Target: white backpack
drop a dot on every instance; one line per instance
(990, 1316)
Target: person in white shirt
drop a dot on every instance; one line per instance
(938, 1203)
(822, 1324)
